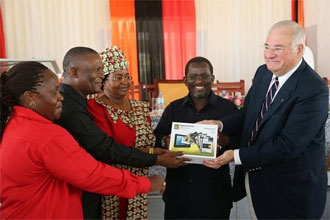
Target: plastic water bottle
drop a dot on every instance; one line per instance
(224, 94)
(161, 102)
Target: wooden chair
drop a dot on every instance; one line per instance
(148, 92)
(135, 92)
(142, 92)
(232, 88)
(171, 89)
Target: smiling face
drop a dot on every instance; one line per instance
(117, 84)
(89, 70)
(47, 97)
(199, 80)
(280, 55)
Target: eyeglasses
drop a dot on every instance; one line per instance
(276, 49)
(193, 77)
(120, 78)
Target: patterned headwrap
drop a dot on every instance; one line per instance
(113, 60)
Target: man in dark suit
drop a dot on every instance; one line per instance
(282, 128)
(196, 191)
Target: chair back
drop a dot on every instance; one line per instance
(142, 92)
(171, 89)
(232, 88)
(148, 92)
(135, 92)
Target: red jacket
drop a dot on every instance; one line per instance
(43, 171)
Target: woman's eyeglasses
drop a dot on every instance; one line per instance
(121, 78)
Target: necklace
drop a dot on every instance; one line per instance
(125, 107)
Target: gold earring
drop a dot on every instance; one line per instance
(33, 104)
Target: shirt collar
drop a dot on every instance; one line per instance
(212, 99)
(282, 79)
(68, 90)
(30, 114)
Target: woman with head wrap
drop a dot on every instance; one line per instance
(128, 122)
(43, 170)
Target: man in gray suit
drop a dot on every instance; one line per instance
(282, 128)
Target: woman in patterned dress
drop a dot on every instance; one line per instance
(128, 122)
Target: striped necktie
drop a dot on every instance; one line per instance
(264, 108)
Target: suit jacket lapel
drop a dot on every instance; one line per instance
(260, 94)
(283, 95)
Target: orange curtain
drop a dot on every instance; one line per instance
(2, 39)
(301, 13)
(297, 12)
(179, 30)
(123, 32)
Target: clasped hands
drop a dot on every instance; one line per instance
(223, 140)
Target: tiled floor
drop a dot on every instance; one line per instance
(156, 209)
(239, 210)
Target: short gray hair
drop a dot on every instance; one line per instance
(298, 33)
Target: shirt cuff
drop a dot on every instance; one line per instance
(144, 185)
(237, 159)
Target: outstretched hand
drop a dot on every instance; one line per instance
(154, 150)
(159, 151)
(169, 159)
(225, 158)
(157, 184)
(223, 140)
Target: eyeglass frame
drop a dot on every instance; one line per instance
(202, 77)
(277, 49)
(126, 78)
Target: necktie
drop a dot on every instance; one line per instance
(264, 108)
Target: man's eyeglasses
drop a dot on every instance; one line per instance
(276, 49)
(121, 78)
(193, 77)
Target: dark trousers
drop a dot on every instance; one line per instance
(91, 203)
(182, 211)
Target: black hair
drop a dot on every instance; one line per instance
(198, 60)
(22, 77)
(72, 54)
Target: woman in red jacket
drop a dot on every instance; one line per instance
(43, 169)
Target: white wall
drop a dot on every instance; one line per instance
(47, 29)
(229, 32)
(317, 25)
